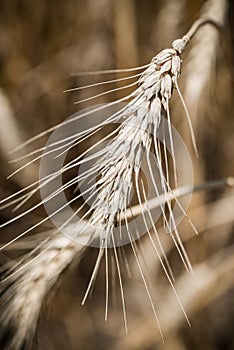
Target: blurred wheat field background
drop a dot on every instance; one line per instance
(43, 45)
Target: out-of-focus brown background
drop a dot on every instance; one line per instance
(42, 45)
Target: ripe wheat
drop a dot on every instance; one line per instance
(119, 168)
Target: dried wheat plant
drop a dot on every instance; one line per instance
(205, 48)
(117, 170)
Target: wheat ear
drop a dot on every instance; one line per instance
(119, 166)
(27, 282)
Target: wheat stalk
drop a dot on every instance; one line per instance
(118, 166)
(202, 58)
